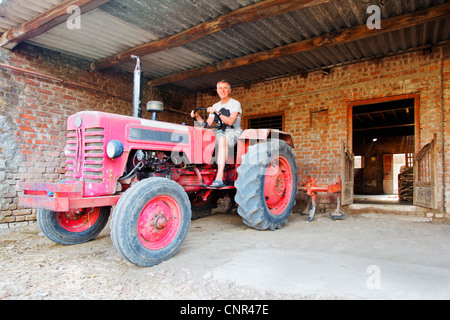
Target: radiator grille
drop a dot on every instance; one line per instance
(85, 151)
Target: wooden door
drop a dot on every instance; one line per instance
(348, 163)
(425, 176)
(388, 171)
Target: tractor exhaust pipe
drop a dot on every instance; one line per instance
(137, 88)
(152, 106)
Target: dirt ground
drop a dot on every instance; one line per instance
(365, 256)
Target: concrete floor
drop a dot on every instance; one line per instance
(385, 204)
(379, 199)
(366, 256)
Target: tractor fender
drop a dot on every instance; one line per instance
(251, 136)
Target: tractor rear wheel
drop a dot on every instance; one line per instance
(73, 227)
(267, 185)
(151, 221)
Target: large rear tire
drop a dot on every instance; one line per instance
(151, 221)
(70, 228)
(267, 185)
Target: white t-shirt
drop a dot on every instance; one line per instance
(233, 106)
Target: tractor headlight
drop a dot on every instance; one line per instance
(67, 151)
(114, 149)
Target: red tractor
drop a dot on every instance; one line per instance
(157, 174)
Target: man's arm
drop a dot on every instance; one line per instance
(199, 118)
(227, 120)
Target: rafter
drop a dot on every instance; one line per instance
(256, 11)
(45, 21)
(327, 40)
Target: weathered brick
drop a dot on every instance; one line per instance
(34, 110)
(402, 74)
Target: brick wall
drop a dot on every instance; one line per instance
(33, 112)
(315, 107)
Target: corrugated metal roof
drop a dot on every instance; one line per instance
(167, 17)
(120, 25)
(101, 35)
(14, 12)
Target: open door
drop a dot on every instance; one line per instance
(425, 176)
(348, 162)
(388, 174)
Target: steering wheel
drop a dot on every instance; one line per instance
(205, 124)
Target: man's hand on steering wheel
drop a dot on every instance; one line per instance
(205, 124)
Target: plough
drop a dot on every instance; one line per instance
(311, 188)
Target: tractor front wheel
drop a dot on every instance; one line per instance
(73, 227)
(267, 185)
(151, 221)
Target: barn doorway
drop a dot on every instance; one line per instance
(383, 140)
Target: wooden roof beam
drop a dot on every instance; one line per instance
(327, 40)
(45, 21)
(256, 11)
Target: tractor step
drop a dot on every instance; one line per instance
(222, 188)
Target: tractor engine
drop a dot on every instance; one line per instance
(143, 164)
(103, 149)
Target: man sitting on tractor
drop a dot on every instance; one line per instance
(228, 110)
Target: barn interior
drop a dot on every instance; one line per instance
(370, 75)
